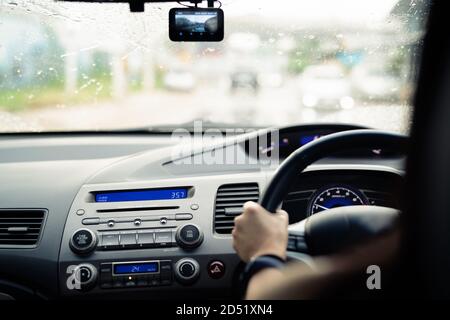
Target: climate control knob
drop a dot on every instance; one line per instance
(189, 236)
(187, 270)
(85, 277)
(83, 241)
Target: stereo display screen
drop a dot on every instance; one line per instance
(142, 195)
(136, 268)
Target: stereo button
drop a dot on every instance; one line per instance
(118, 282)
(106, 268)
(145, 239)
(83, 241)
(106, 285)
(142, 281)
(163, 238)
(91, 221)
(106, 275)
(155, 282)
(189, 236)
(183, 216)
(166, 272)
(110, 240)
(129, 283)
(166, 266)
(128, 240)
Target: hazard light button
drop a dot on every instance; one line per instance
(216, 269)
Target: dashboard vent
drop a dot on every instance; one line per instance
(20, 227)
(229, 201)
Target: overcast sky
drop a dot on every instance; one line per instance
(313, 10)
(91, 24)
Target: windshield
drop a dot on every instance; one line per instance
(68, 66)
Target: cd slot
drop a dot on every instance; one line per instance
(137, 209)
(137, 221)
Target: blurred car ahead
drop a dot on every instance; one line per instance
(374, 83)
(325, 87)
(244, 80)
(271, 79)
(179, 80)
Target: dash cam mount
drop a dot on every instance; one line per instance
(191, 23)
(139, 5)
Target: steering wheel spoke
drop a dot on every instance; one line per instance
(296, 240)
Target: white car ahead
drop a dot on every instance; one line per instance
(325, 87)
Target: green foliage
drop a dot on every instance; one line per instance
(397, 62)
(306, 53)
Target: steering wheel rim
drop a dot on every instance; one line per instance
(304, 156)
(328, 231)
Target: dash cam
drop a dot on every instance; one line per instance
(196, 24)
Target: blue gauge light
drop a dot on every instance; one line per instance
(335, 197)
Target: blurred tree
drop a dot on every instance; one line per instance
(306, 53)
(397, 62)
(47, 56)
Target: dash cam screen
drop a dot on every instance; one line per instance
(196, 25)
(200, 22)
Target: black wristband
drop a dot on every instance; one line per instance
(258, 264)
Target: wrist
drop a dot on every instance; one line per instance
(281, 254)
(260, 263)
(257, 285)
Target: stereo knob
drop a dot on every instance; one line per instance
(83, 241)
(85, 277)
(189, 236)
(187, 270)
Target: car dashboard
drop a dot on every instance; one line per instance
(123, 216)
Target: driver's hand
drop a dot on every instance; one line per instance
(258, 232)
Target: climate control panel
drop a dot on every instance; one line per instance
(131, 274)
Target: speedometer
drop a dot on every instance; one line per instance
(334, 197)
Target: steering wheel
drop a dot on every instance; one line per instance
(331, 230)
